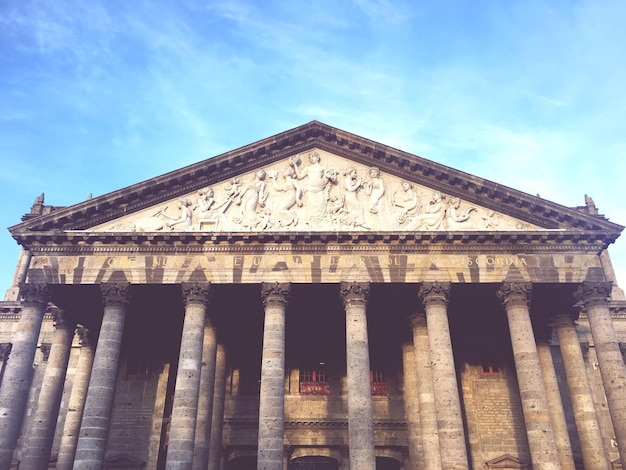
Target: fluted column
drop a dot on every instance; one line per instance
(272, 400)
(217, 418)
(18, 373)
(595, 297)
(94, 426)
(587, 424)
(434, 296)
(360, 411)
(539, 431)
(426, 393)
(185, 407)
(76, 404)
(555, 404)
(205, 400)
(411, 408)
(44, 423)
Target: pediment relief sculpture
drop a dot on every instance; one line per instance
(315, 191)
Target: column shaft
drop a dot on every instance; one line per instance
(587, 424)
(426, 394)
(205, 400)
(185, 406)
(18, 373)
(555, 404)
(411, 408)
(539, 431)
(360, 409)
(45, 420)
(94, 426)
(76, 404)
(217, 418)
(448, 404)
(612, 368)
(272, 400)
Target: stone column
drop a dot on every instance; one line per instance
(434, 296)
(205, 400)
(411, 408)
(217, 418)
(39, 443)
(610, 360)
(94, 426)
(555, 404)
(185, 406)
(76, 404)
(587, 424)
(539, 431)
(360, 411)
(426, 393)
(18, 373)
(272, 400)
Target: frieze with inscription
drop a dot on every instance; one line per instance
(315, 191)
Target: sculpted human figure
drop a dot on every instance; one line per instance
(352, 184)
(184, 219)
(252, 197)
(208, 210)
(293, 195)
(375, 189)
(407, 202)
(318, 179)
(491, 220)
(433, 216)
(455, 214)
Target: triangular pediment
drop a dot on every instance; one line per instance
(506, 461)
(315, 191)
(275, 185)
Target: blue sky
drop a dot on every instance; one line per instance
(98, 95)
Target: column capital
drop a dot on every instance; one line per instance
(355, 293)
(85, 337)
(62, 319)
(115, 294)
(275, 294)
(561, 320)
(434, 292)
(196, 293)
(34, 293)
(416, 320)
(594, 294)
(515, 294)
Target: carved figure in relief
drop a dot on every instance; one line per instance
(433, 216)
(254, 196)
(208, 210)
(317, 188)
(293, 196)
(335, 210)
(491, 220)
(455, 214)
(184, 218)
(233, 193)
(354, 210)
(407, 202)
(375, 189)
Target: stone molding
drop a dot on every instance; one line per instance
(354, 293)
(275, 294)
(34, 294)
(513, 294)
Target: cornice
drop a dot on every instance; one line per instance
(198, 242)
(301, 139)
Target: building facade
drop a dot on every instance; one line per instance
(313, 301)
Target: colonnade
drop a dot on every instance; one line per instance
(436, 439)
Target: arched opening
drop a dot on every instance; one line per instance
(314, 463)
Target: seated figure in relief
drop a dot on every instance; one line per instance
(184, 219)
(209, 213)
(433, 216)
(407, 203)
(456, 216)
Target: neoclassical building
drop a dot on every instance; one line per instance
(311, 301)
